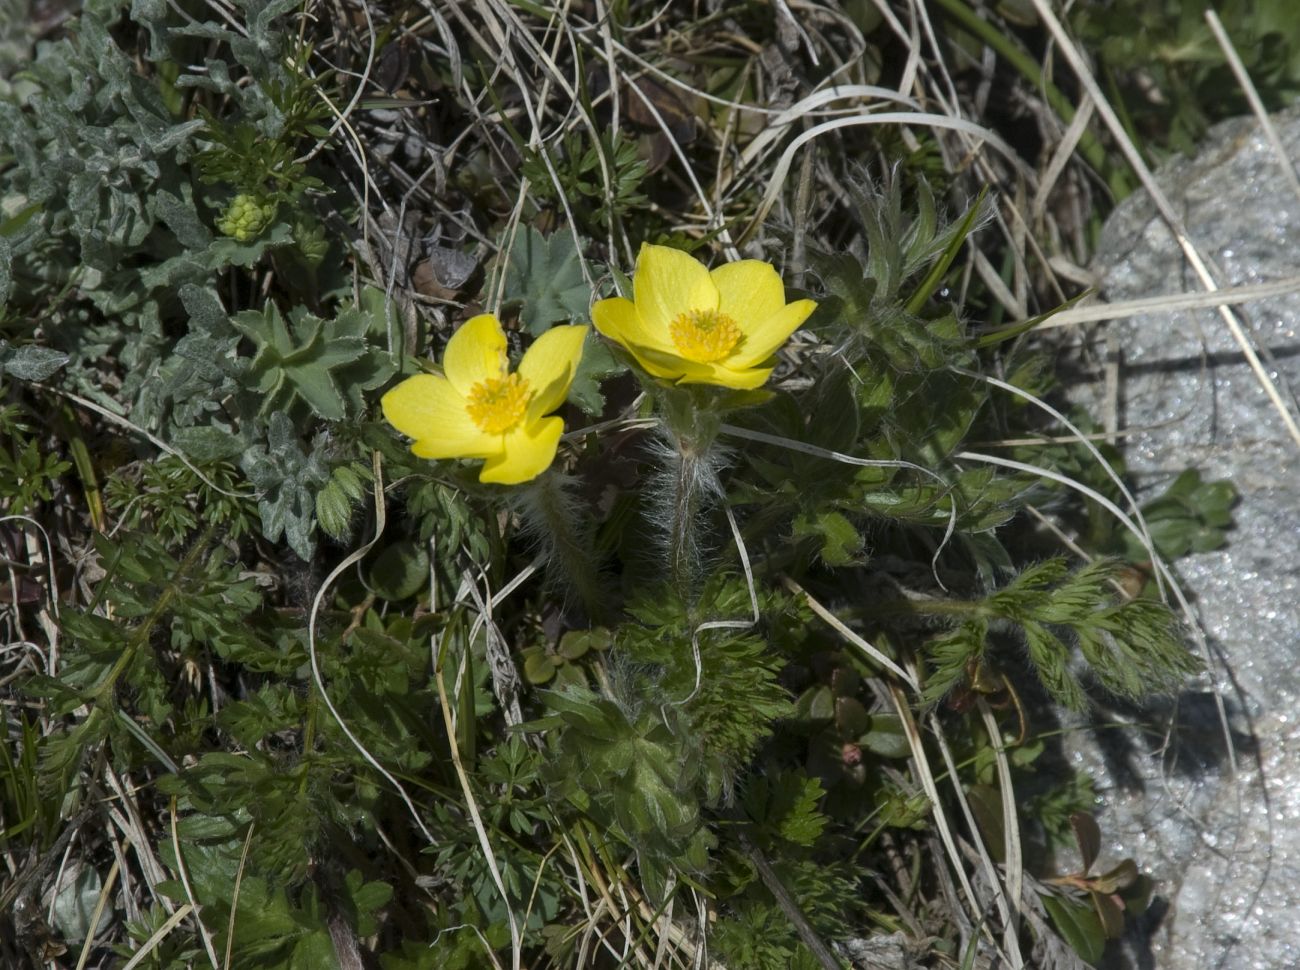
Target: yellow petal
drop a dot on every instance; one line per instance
(683, 371)
(749, 291)
(475, 352)
(549, 365)
(526, 453)
(669, 282)
(765, 339)
(667, 366)
(618, 320)
(427, 408)
(723, 376)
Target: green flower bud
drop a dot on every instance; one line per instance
(311, 240)
(247, 216)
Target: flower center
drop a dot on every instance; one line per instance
(704, 336)
(497, 404)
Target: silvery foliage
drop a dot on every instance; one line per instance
(105, 237)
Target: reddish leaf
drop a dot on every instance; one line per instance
(1088, 836)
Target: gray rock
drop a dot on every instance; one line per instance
(1224, 846)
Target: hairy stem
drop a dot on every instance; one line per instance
(683, 547)
(688, 481)
(691, 478)
(549, 514)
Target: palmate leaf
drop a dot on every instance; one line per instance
(597, 363)
(545, 275)
(324, 363)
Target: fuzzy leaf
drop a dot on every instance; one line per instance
(6, 270)
(31, 362)
(205, 310)
(287, 478)
(197, 266)
(204, 444)
(178, 212)
(74, 906)
(333, 510)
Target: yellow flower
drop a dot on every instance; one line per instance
(479, 409)
(692, 326)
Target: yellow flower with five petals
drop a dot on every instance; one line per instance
(479, 408)
(690, 325)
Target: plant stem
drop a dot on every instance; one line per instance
(690, 476)
(103, 691)
(961, 609)
(549, 513)
(683, 549)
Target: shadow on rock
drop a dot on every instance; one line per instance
(1186, 733)
(1134, 951)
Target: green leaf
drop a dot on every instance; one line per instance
(1137, 897)
(851, 717)
(1118, 879)
(1110, 914)
(986, 805)
(74, 906)
(598, 362)
(576, 643)
(31, 362)
(6, 270)
(817, 704)
(1079, 924)
(11, 226)
(839, 542)
(956, 240)
(539, 667)
(367, 899)
(324, 363)
(546, 276)
(400, 571)
(1024, 326)
(886, 737)
(206, 444)
(785, 804)
(1191, 515)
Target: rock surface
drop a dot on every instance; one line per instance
(1224, 846)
